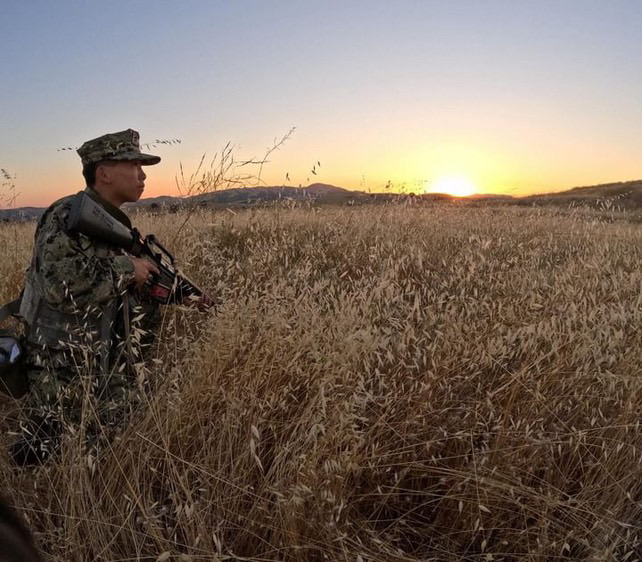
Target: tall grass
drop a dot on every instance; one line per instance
(381, 383)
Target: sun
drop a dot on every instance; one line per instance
(459, 186)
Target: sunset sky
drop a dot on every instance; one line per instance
(512, 96)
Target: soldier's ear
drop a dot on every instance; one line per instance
(103, 174)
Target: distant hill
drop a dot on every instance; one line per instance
(21, 214)
(253, 195)
(627, 195)
(241, 196)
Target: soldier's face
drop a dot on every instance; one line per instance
(127, 181)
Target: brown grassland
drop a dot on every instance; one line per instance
(381, 383)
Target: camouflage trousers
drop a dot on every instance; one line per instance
(65, 400)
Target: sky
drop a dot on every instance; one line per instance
(514, 96)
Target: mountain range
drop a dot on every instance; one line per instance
(625, 195)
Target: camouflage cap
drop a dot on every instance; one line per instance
(123, 145)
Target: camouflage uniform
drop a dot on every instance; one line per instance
(88, 326)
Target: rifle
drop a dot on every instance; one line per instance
(87, 216)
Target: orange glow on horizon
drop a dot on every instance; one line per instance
(457, 169)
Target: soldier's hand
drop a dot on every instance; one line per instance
(143, 270)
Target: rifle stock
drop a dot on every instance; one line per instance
(91, 219)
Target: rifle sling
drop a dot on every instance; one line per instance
(10, 309)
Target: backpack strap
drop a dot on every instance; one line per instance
(10, 309)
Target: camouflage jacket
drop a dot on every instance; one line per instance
(78, 302)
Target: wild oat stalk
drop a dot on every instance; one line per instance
(9, 197)
(223, 172)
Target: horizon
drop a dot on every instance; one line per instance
(499, 98)
(473, 196)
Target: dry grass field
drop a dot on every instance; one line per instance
(389, 383)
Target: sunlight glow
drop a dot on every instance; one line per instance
(459, 186)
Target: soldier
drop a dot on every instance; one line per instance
(81, 301)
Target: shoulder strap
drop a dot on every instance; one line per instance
(10, 309)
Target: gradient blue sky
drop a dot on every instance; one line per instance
(519, 97)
